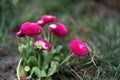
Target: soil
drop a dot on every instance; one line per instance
(8, 66)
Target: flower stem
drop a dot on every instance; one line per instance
(44, 34)
(66, 59)
(39, 60)
(18, 68)
(48, 36)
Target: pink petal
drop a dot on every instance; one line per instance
(19, 34)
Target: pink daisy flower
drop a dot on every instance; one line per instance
(48, 18)
(58, 29)
(19, 34)
(41, 22)
(30, 29)
(23, 79)
(42, 44)
(79, 48)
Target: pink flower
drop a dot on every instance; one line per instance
(23, 79)
(30, 29)
(58, 29)
(19, 34)
(42, 44)
(48, 18)
(41, 22)
(79, 48)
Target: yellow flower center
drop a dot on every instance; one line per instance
(38, 45)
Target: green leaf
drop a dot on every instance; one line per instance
(39, 73)
(32, 61)
(21, 48)
(59, 48)
(52, 69)
(22, 72)
(43, 73)
(47, 58)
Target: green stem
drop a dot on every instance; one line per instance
(39, 60)
(49, 36)
(18, 69)
(66, 59)
(44, 35)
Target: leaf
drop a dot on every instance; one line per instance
(59, 48)
(52, 69)
(21, 48)
(39, 73)
(42, 73)
(32, 61)
(22, 72)
(47, 58)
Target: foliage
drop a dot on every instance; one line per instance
(41, 63)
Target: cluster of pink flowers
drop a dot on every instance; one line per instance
(33, 29)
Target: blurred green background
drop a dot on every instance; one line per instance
(96, 21)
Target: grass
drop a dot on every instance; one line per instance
(103, 33)
(100, 30)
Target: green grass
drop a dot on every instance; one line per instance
(104, 37)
